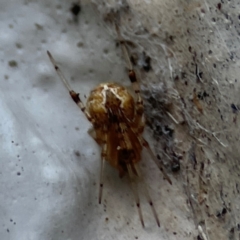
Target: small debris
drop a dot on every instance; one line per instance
(12, 63)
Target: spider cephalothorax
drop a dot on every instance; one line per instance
(118, 122)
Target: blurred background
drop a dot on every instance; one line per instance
(186, 56)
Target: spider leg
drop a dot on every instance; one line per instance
(131, 74)
(96, 133)
(154, 158)
(135, 192)
(149, 199)
(103, 159)
(139, 118)
(145, 144)
(75, 96)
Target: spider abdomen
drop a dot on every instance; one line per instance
(110, 97)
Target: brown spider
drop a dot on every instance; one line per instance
(118, 123)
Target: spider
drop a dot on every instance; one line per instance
(118, 123)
